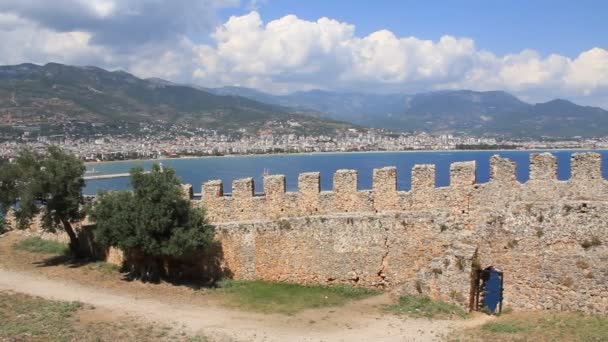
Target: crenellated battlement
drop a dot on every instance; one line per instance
(243, 204)
(548, 236)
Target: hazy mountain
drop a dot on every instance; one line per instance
(490, 112)
(352, 107)
(57, 93)
(54, 92)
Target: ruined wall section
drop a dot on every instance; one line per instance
(549, 236)
(244, 205)
(462, 196)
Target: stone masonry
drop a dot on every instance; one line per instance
(549, 237)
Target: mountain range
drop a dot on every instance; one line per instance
(479, 113)
(54, 92)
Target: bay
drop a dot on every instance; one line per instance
(196, 171)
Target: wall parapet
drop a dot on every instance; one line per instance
(243, 204)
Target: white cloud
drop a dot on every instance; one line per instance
(589, 71)
(289, 54)
(285, 54)
(121, 23)
(23, 41)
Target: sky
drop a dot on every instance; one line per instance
(538, 50)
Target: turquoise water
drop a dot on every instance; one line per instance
(197, 171)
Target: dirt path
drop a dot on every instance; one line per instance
(353, 322)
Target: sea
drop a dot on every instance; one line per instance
(196, 171)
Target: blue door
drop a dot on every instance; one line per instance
(492, 289)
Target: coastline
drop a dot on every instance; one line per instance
(338, 152)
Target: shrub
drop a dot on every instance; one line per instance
(152, 222)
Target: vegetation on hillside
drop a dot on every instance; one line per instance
(150, 223)
(475, 112)
(56, 93)
(49, 184)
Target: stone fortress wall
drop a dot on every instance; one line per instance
(549, 237)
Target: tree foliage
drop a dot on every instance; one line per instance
(49, 184)
(2, 223)
(153, 220)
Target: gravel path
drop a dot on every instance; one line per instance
(356, 321)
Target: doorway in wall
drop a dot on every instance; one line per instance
(488, 290)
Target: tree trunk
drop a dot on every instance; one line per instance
(74, 245)
(147, 269)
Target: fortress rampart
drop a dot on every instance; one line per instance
(463, 194)
(549, 236)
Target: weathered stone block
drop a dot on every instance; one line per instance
(345, 181)
(212, 189)
(309, 188)
(423, 177)
(543, 167)
(462, 174)
(502, 170)
(345, 197)
(242, 188)
(586, 167)
(274, 186)
(385, 188)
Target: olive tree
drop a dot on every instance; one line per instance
(49, 184)
(153, 220)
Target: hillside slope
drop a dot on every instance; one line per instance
(56, 93)
(481, 113)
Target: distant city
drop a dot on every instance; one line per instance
(148, 141)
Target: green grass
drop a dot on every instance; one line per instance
(288, 298)
(104, 267)
(420, 306)
(502, 327)
(35, 318)
(540, 326)
(25, 318)
(38, 245)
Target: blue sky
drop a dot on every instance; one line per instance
(566, 27)
(535, 49)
